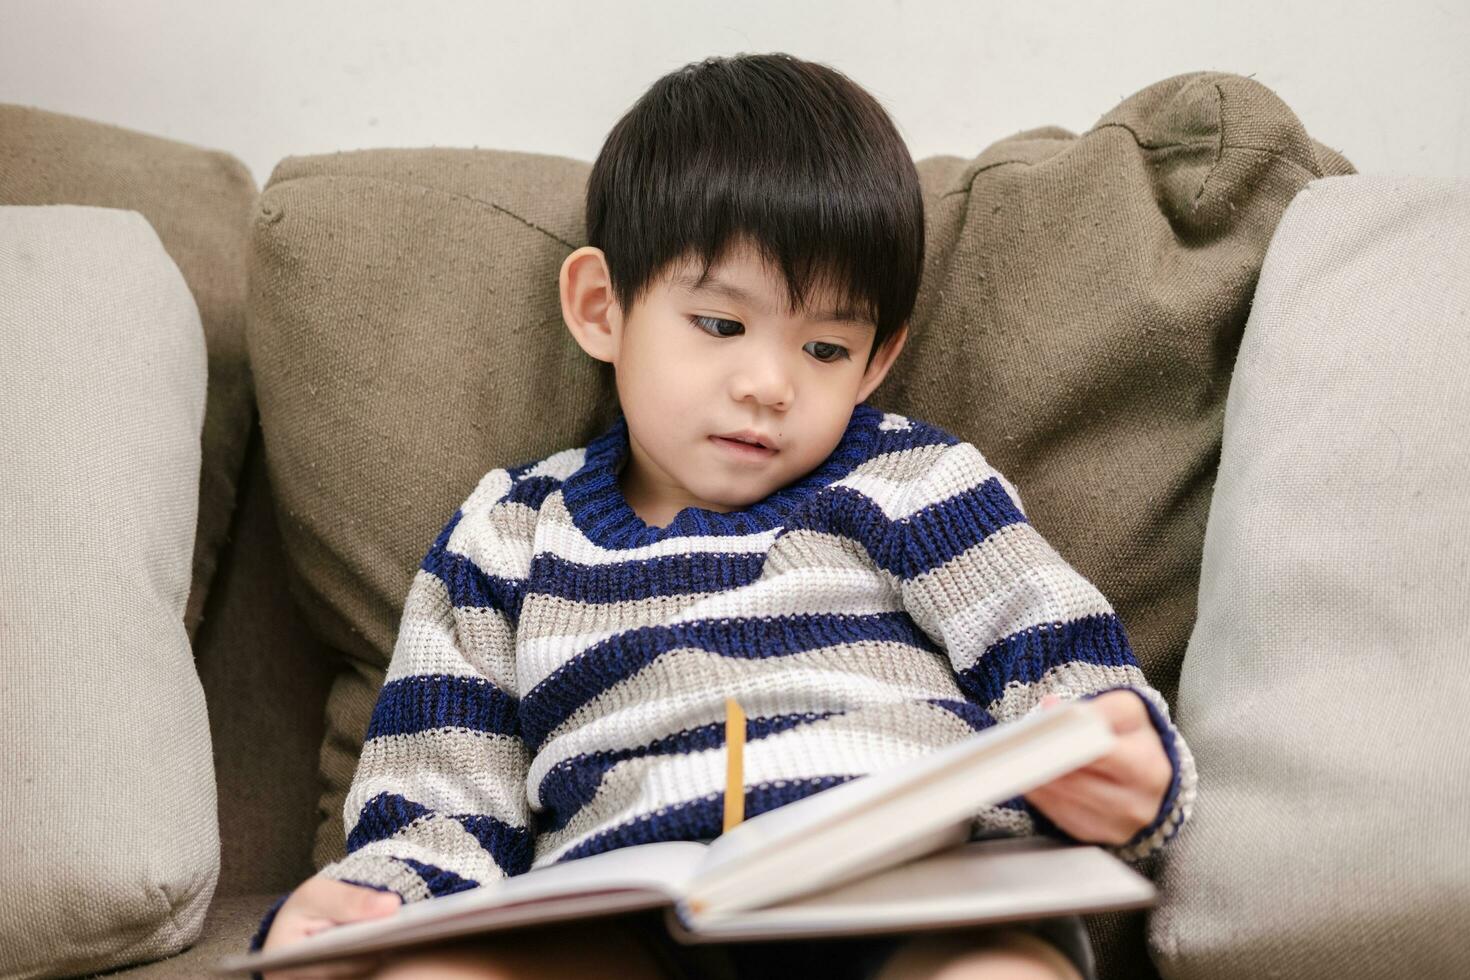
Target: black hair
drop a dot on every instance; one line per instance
(790, 155)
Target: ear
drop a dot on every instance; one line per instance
(882, 361)
(587, 304)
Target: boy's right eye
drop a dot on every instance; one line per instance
(712, 325)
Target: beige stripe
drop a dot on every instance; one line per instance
(577, 625)
(450, 770)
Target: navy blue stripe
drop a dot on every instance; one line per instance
(700, 571)
(467, 583)
(973, 715)
(1027, 655)
(919, 433)
(934, 534)
(381, 817)
(425, 702)
(386, 814)
(572, 783)
(513, 848)
(532, 491)
(619, 657)
(701, 819)
(439, 881)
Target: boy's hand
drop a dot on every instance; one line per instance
(320, 903)
(1116, 795)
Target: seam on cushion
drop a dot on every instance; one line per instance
(1221, 144)
(432, 190)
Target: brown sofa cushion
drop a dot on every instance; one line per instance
(1083, 300)
(199, 202)
(1082, 304)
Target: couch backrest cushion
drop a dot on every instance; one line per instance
(107, 793)
(1082, 300)
(1324, 686)
(199, 202)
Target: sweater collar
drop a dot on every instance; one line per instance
(599, 509)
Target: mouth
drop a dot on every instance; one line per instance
(746, 444)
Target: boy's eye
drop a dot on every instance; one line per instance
(827, 353)
(715, 327)
(704, 323)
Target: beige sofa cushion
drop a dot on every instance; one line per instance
(107, 794)
(199, 202)
(1324, 686)
(1082, 301)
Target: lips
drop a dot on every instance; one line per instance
(750, 437)
(743, 450)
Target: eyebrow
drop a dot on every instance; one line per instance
(714, 284)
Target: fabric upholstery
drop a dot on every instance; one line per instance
(198, 201)
(107, 797)
(1325, 679)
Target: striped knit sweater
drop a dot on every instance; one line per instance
(557, 686)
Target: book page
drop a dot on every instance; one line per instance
(975, 883)
(628, 878)
(888, 816)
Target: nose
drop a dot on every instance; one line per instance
(764, 380)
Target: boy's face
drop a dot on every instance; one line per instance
(696, 367)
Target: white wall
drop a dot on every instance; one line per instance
(1386, 84)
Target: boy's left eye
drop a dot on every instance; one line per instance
(714, 326)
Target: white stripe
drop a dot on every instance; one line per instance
(559, 465)
(494, 485)
(1035, 596)
(686, 688)
(830, 746)
(484, 540)
(800, 591)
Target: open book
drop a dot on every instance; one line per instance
(885, 852)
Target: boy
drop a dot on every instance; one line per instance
(865, 585)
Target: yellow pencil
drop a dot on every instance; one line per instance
(734, 764)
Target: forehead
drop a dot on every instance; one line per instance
(742, 278)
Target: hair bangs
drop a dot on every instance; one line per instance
(786, 157)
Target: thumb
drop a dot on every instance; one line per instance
(372, 903)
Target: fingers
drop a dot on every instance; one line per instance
(1124, 710)
(320, 904)
(1089, 807)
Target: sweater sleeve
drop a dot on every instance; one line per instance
(1016, 620)
(438, 802)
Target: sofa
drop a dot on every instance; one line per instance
(1224, 370)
